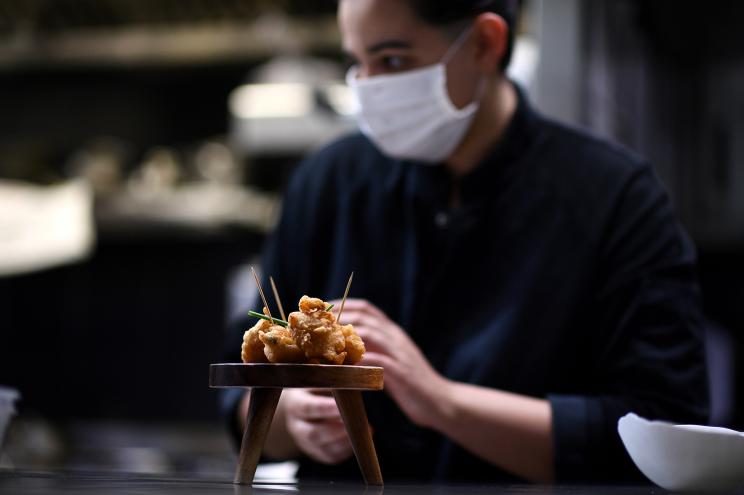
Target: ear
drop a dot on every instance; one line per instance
(492, 39)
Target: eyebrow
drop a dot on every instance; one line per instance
(383, 45)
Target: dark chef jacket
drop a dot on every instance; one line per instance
(563, 275)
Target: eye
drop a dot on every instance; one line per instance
(393, 62)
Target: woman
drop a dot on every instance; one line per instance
(523, 284)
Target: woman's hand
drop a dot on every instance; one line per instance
(509, 430)
(506, 429)
(411, 381)
(315, 424)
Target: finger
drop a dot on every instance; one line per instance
(310, 406)
(377, 334)
(324, 442)
(336, 444)
(324, 432)
(375, 341)
(377, 359)
(372, 326)
(329, 433)
(303, 433)
(338, 451)
(359, 318)
(334, 453)
(364, 306)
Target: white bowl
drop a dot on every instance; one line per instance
(684, 457)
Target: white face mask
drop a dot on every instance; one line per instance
(410, 115)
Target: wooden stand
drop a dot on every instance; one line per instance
(266, 382)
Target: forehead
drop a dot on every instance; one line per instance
(366, 22)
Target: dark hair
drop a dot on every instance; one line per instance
(446, 12)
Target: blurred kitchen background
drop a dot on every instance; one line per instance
(145, 145)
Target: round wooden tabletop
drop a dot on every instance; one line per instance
(281, 375)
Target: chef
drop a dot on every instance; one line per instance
(523, 283)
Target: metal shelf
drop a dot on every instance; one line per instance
(185, 44)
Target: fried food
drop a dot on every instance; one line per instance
(269, 343)
(312, 336)
(316, 332)
(252, 350)
(321, 338)
(354, 346)
(279, 346)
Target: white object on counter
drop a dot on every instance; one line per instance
(44, 226)
(277, 472)
(684, 457)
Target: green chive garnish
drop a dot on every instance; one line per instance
(273, 320)
(277, 320)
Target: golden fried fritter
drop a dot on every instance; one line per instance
(313, 336)
(257, 348)
(318, 339)
(354, 346)
(315, 306)
(279, 346)
(313, 329)
(319, 336)
(252, 350)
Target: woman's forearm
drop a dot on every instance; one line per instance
(511, 431)
(279, 444)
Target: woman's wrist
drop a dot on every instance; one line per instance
(443, 405)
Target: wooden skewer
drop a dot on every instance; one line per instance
(261, 292)
(276, 297)
(343, 301)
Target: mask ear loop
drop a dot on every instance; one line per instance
(456, 45)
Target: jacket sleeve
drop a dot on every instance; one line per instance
(647, 345)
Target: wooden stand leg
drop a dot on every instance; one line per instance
(351, 405)
(261, 407)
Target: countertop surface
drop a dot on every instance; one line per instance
(77, 482)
